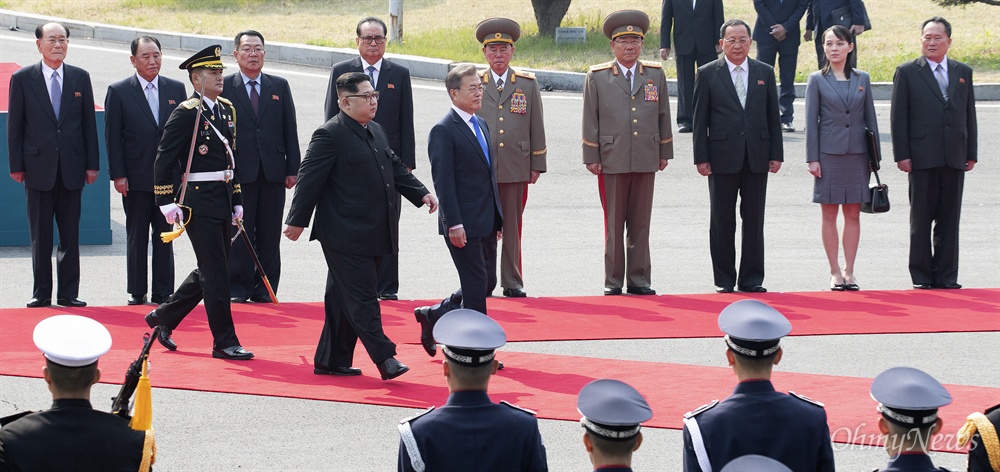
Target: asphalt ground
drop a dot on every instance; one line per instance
(563, 256)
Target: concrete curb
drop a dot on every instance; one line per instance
(421, 67)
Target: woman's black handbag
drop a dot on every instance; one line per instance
(880, 197)
(874, 152)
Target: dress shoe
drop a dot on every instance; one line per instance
(837, 284)
(948, 286)
(164, 334)
(683, 128)
(613, 291)
(321, 370)
(851, 284)
(787, 127)
(136, 300)
(499, 365)
(39, 302)
(922, 286)
(724, 289)
(388, 296)
(239, 299)
(514, 292)
(236, 353)
(260, 299)
(391, 368)
(71, 302)
(640, 291)
(752, 289)
(423, 316)
(159, 299)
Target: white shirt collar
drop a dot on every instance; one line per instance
(247, 79)
(365, 64)
(933, 65)
(623, 68)
(47, 72)
(732, 66)
(143, 82)
(496, 78)
(461, 113)
(209, 102)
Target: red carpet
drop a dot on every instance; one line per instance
(284, 338)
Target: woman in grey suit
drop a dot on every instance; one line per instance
(839, 107)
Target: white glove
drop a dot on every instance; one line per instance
(237, 213)
(172, 212)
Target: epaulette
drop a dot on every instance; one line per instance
(223, 100)
(530, 412)
(12, 418)
(807, 399)
(701, 409)
(597, 67)
(418, 415)
(485, 76)
(191, 103)
(653, 64)
(525, 74)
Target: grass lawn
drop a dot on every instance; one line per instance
(444, 28)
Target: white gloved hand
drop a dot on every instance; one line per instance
(237, 213)
(172, 212)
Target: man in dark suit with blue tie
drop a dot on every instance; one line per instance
(465, 179)
(267, 161)
(136, 108)
(777, 35)
(53, 149)
(935, 140)
(395, 114)
(695, 26)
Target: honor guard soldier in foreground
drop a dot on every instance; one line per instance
(626, 140)
(788, 427)
(984, 450)
(908, 400)
(755, 463)
(72, 435)
(512, 107)
(211, 199)
(470, 432)
(613, 413)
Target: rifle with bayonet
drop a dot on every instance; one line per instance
(120, 404)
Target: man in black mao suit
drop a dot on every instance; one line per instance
(52, 147)
(935, 140)
(395, 115)
(465, 179)
(267, 162)
(349, 176)
(737, 140)
(695, 29)
(131, 132)
(777, 36)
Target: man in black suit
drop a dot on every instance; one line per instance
(695, 24)
(737, 140)
(136, 109)
(777, 35)
(395, 115)
(822, 14)
(349, 176)
(266, 162)
(935, 140)
(210, 193)
(52, 147)
(465, 179)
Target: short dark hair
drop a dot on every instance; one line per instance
(144, 39)
(612, 448)
(471, 376)
(841, 32)
(454, 79)
(39, 29)
(241, 34)
(734, 22)
(71, 379)
(373, 19)
(933, 19)
(348, 83)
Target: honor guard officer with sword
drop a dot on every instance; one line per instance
(613, 413)
(210, 195)
(512, 106)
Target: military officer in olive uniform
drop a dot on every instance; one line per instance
(211, 198)
(512, 105)
(626, 140)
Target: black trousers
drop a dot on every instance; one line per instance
(263, 206)
(752, 191)
(388, 266)
(787, 54)
(209, 282)
(141, 215)
(686, 66)
(474, 262)
(352, 311)
(64, 205)
(935, 211)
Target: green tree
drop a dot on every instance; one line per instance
(549, 14)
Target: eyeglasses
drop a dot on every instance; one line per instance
(372, 39)
(368, 97)
(248, 50)
(628, 42)
(741, 41)
(472, 88)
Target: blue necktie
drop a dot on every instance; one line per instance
(371, 75)
(479, 136)
(56, 93)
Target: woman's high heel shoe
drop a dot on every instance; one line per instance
(837, 284)
(851, 284)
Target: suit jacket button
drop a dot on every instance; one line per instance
(501, 119)
(633, 108)
(501, 131)
(635, 133)
(501, 144)
(499, 107)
